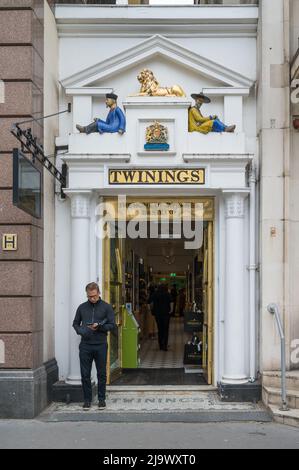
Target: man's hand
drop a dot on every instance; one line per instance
(93, 327)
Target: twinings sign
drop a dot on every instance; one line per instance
(160, 176)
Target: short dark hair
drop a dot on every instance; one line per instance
(92, 286)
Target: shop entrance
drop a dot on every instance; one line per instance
(134, 268)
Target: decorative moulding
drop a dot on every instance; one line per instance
(156, 154)
(157, 46)
(226, 91)
(156, 102)
(176, 20)
(88, 91)
(200, 157)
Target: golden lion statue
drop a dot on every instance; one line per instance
(150, 86)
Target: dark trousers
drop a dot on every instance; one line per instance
(163, 322)
(93, 127)
(88, 354)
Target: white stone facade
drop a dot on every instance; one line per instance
(103, 49)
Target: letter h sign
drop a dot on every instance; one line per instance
(9, 242)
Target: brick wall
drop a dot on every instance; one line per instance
(21, 272)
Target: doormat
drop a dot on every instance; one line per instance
(159, 377)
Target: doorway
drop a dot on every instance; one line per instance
(133, 268)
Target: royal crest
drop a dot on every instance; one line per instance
(156, 137)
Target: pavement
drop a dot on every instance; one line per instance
(155, 418)
(134, 436)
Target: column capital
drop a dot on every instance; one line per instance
(252, 174)
(80, 203)
(234, 204)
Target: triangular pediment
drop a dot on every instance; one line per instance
(147, 50)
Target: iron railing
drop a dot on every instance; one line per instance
(274, 310)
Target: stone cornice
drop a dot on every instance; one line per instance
(143, 21)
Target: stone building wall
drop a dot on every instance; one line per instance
(23, 374)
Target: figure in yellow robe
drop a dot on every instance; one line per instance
(202, 124)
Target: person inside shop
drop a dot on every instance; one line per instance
(162, 308)
(93, 320)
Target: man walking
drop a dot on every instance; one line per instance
(162, 307)
(94, 319)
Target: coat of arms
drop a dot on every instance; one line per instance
(156, 138)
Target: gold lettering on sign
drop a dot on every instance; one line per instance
(157, 176)
(9, 242)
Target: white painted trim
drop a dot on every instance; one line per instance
(95, 159)
(198, 13)
(171, 20)
(157, 45)
(154, 101)
(87, 91)
(146, 31)
(226, 91)
(156, 154)
(199, 157)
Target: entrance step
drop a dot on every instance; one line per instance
(289, 418)
(272, 399)
(273, 379)
(161, 388)
(272, 396)
(161, 405)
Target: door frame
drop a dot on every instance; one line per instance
(210, 217)
(106, 269)
(209, 317)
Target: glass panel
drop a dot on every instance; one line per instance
(27, 185)
(116, 300)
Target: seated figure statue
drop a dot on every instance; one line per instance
(204, 125)
(115, 122)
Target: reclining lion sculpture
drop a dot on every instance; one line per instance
(151, 87)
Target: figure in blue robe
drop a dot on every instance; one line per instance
(115, 122)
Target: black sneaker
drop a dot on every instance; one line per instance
(102, 404)
(86, 406)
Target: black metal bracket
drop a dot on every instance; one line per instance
(30, 144)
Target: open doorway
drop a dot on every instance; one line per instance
(134, 270)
